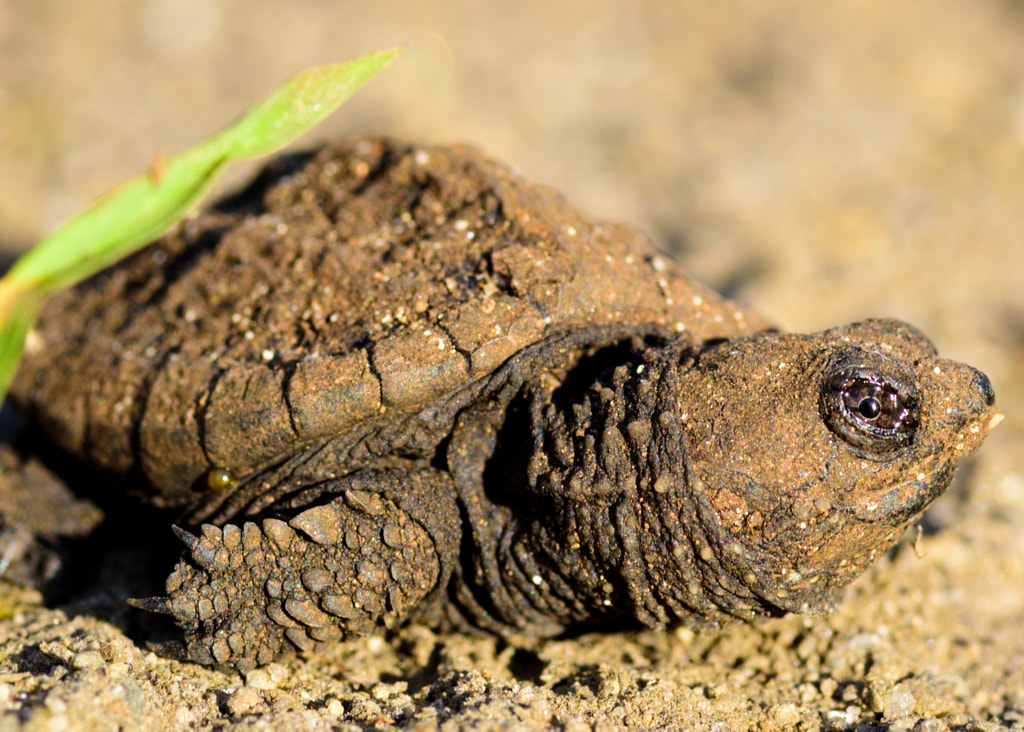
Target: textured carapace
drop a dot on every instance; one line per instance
(392, 383)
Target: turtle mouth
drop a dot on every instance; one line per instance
(907, 499)
(904, 501)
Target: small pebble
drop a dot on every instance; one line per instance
(55, 704)
(383, 692)
(785, 715)
(610, 687)
(270, 676)
(244, 700)
(899, 702)
(88, 659)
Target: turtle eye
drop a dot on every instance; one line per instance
(870, 408)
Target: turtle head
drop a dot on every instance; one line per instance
(808, 455)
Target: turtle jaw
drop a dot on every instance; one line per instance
(902, 503)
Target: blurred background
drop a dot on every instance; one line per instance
(824, 161)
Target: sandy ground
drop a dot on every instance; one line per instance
(823, 161)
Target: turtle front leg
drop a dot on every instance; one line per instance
(377, 545)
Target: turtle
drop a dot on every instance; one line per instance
(390, 383)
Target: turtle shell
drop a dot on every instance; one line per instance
(370, 277)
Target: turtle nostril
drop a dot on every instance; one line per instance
(985, 387)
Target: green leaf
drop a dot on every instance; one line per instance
(125, 219)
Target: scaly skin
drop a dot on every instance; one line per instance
(351, 565)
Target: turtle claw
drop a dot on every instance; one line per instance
(160, 605)
(188, 539)
(207, 550)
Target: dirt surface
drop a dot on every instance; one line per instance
(826, 162)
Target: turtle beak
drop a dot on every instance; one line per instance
(979, 413)
(993, 416)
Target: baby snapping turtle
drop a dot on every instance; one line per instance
(392, 383)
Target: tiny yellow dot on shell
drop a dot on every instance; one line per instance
(220, 479)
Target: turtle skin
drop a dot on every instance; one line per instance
(390, 383)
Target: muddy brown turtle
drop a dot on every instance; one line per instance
(390, 382)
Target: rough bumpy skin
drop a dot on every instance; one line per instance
(392, 383)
